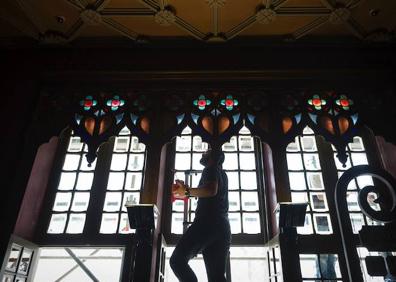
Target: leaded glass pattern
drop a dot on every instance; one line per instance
(243, 196)
(72, 197)
(124, 182)
(240, 166)
(189, 150)
(357, 156)
(306, 183)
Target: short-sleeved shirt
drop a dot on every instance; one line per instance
(217, 206)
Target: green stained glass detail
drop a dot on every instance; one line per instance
(202, 102)
(229, 102)
(317, 102)
(115, 103)
(88, 103)
(344, 102)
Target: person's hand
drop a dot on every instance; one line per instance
(178, 189)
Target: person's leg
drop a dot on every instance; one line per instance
(215, 255)
(195, 238)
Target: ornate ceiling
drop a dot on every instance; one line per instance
(65, 21)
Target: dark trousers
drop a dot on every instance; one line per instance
(213, 238)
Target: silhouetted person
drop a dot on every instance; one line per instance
(210, 231)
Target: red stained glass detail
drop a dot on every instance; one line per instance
(316, 102)
(201, 103)
(229, 103)
(88, 103)
(344, 103)
(115, 103)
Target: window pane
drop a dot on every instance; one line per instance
(315, 180)
(25, 261)
(116, 181)
(76, 223)
(195, 163)
(352, 201)
(177, 223)
(67, 181)
(198, 145)
(318, 201)
(109, 223)
(233, 180)
(121, 144)
(86, 166)
(297, 181)
(309, 266)
(251, 223)
(195, 179)
(71, 162)
(311, 161)
(250, 201)
(308, 143)
(248, 180)
(247, 161)
(357, 144)
(62, 201)
(136, 162)
(118, 162)
(133, 181)
(84, 181)
(364, 181)
(57, 223)
(124, 227)
(322, 223)
(183, 143)
(293, 146)
(182, 161)
(230, 161)
(233, 201)
(178, 206)
(80, 202)
(329, 266)
(235, 222)
(357, 221)
(136, 146)
(75, 144)
(230, 146)
(298, 197)
(124, 131)
(130, 199)
(112, 201)
(307, 228)
(294, 161)
(246, 143)
(359, 159)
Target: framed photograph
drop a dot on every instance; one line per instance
(13, 258)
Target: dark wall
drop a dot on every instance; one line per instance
(26, 70)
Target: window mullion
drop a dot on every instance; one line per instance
(98, 189)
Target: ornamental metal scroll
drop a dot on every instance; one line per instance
(385, 190)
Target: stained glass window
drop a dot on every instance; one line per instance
(306, 183)
(124, 182)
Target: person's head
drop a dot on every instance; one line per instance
(212, 157)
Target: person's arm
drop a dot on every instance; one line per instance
(206, 190)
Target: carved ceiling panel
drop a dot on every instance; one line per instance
(64, 21)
